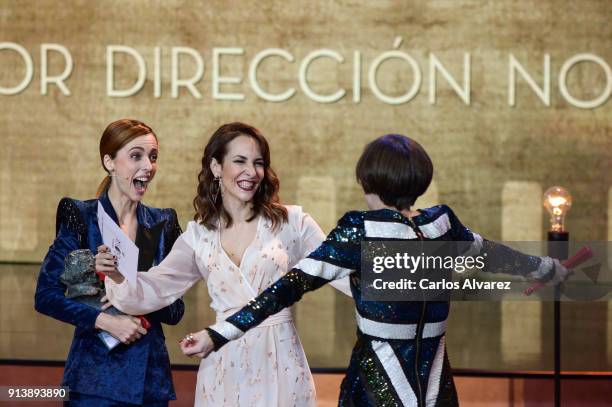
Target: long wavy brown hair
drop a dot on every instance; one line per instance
(265, 201)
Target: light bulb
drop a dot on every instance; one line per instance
(557, 202)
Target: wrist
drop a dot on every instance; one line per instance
(102, 321)
(116, 278)
(217, 339)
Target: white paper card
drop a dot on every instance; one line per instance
(119, 244)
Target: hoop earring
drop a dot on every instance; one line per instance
(215, 195)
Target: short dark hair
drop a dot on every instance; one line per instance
(396, 168)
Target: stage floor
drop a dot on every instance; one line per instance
(473, 391)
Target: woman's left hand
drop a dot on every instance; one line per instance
(559, 273)
(106, 264)
(197, 344)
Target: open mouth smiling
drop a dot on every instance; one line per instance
(141, 183)
(246, 185)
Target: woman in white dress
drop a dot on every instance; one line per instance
(241, 241)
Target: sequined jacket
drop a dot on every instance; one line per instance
(131, 373)
(400, 355)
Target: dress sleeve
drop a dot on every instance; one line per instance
(336, 258)
(500, 258)
(162, 284)
(49, 298)
(311, 237)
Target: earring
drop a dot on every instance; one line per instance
(215, 194)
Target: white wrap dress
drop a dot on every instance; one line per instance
(267, 366)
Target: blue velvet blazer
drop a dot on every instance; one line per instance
(134, 373)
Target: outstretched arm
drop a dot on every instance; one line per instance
(503, 259)
(163, 284)
(311, 237)
(173, 313)
(336, 258)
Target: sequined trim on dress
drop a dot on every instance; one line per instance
(394, 370)
(433, 384)
(377, 384)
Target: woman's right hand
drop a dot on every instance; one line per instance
(126, 328)
(106, 263)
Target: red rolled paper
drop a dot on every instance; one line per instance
(581, 256)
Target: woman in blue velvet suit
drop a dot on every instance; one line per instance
(136, 372)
